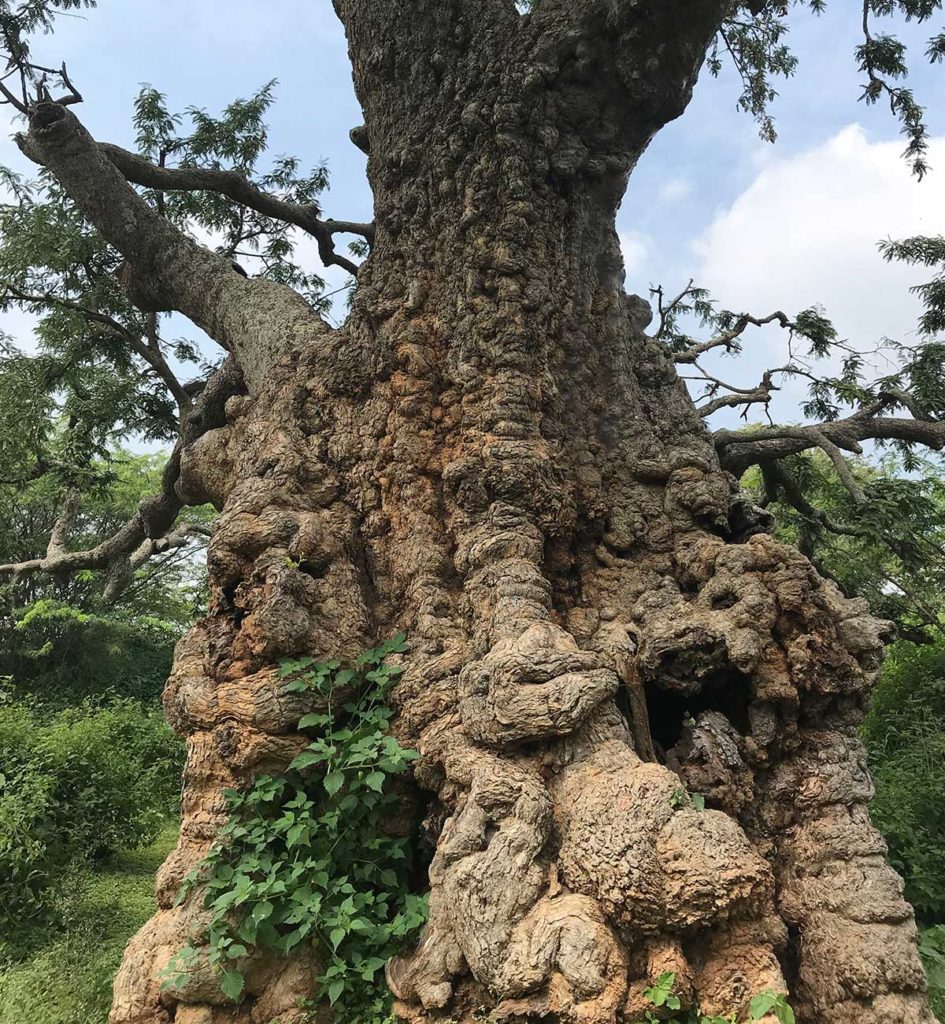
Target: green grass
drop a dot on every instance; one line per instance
(68, 979)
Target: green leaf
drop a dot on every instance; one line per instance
(333, 781)
(261, 911)
(305, 760)
(316, 719)
(231, 984)
(761, 1005)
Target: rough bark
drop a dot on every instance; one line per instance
(493, 456)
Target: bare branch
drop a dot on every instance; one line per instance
(666, 309)
(725, 339)
(760, 394)
(26, 72)
(232, 184)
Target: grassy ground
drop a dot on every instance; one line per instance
(68, 979)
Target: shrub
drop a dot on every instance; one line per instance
(74, 787)
(933, 957)
(69, 981)
(906, 741)
(61, 655)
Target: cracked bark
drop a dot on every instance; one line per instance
(493, 456)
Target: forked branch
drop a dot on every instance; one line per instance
(233, 185)
(256, 319)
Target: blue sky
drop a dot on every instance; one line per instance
(763, 226)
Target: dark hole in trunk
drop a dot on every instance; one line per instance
(229, 593)
(318, 570)
(423, 848)
(791, 957)
(727, 691)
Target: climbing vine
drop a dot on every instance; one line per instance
(304, 857)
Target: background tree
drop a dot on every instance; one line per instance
(59, 643)
(491, 454)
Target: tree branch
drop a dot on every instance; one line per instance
(59, 535)
(725, 339)
(256, 319)
(777, 478)
(232, 184)
(150, 352)
(671, 38)
(739, 449)
(147, 532)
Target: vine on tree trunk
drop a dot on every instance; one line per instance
(307, 857)
(664, 997)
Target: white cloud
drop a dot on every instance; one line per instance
(637, 248)
(805, 232)
(674, 189)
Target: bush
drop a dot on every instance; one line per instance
(75, 787)
(933, 956)
(62, 655)
(906, 741)
(69, 981)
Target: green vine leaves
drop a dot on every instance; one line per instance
(304, 859)
(663, 996)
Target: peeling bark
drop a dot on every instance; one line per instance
(493, 456)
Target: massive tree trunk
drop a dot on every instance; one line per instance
(493, 456)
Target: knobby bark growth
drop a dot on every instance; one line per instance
(492, 455)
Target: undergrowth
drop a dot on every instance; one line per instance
(75, 787)
(68, 979)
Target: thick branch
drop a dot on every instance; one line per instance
(256, 319)
(739, 449)
(670, 39)
(121, 571)
(59, 537)
(233, 185)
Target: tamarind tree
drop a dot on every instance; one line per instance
(635, 710)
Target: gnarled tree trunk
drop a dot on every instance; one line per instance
(493, 456)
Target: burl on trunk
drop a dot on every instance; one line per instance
(492, 455)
